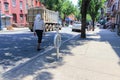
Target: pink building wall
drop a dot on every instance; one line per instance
(33, 3)
(5, 13)
(17, 15)
(2, 7)
(14, 10)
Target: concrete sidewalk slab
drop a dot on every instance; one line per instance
(94, 60)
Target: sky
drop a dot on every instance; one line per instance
(74, 2)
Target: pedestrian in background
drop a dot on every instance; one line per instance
(113, 24)
(39, 29)
(87, 25)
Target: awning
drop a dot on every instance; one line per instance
(6, 16)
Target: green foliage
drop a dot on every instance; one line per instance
(79, 3)
(42, 1)
(88, 17)
(65, 7)
(93, 8)
(77, 13)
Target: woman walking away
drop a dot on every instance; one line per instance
(39, 29)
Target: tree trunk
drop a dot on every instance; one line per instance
(85, 4)
(93, 24)
(83, 32)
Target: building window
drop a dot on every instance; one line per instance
(21, 5)
(13, 2)
(27, 6)
(15, 18)
(6, 5)
(31, 3)
(36, 3)
(21, 17)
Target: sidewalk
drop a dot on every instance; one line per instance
(95, 58)
(15, 29)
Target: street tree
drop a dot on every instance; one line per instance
(68, 8)
(94, 7)
(83, 7)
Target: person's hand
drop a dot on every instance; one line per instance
(34, 33)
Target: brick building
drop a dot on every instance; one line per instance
(15, 11)
(113, 11)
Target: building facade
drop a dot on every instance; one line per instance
(15, 11)
(5, 13)
(118, 19)
(113, 11)
(33, 3)
(17, 8)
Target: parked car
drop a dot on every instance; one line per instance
(97, 24)
(76, 26)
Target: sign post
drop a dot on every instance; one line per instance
(57, 42)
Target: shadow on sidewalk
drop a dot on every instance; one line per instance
(109, 37)
(113, 39)
(38, 68)
(18, 49)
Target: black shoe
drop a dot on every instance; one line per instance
(38, 49)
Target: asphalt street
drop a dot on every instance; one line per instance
(19, 46)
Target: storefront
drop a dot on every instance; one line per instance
(5, 20)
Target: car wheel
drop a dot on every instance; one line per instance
(73, 30)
